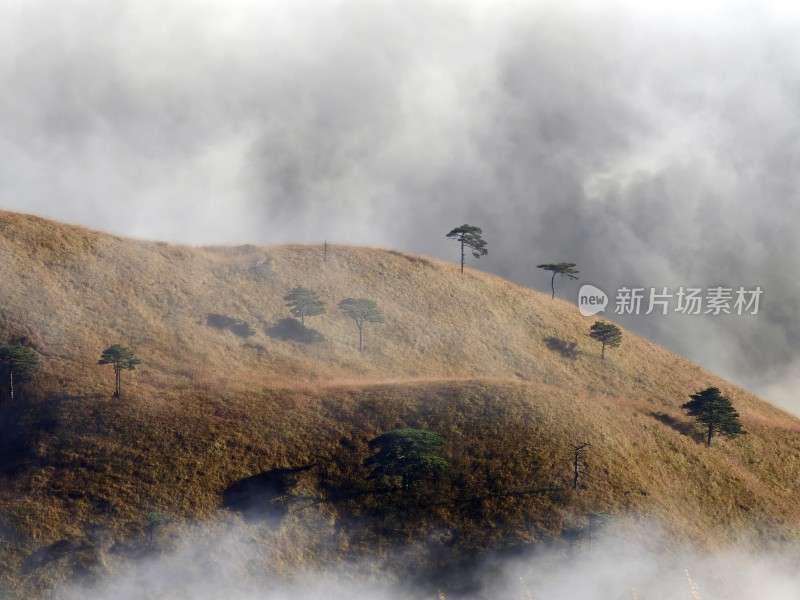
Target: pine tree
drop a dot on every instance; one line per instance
(607, 334)
(407, 453)
(715, 413)
(303, 303)
(18, 364)
(362, 311)
(563, 269)
(123, 360)
(469, 236)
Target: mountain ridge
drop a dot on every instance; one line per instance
(231, 389)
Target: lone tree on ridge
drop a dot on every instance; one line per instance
(469, 236)
(563, 268)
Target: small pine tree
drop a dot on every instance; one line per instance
(122, 359)
(362, 311)
(303, 303)
(154, 520)
(563, 269)
(607, 334)
(715, 413)
(469, 236)
(407, 453)
(18, 364)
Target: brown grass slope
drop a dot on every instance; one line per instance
(474, 357)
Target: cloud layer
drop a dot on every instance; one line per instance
(237, 563)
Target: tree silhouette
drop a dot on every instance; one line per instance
(607, 334)
(563, 268)
(407, 453)
(122, 359)
(18, 363)
(469, 236)
(715, 413)
(303, 303)
(362, 311)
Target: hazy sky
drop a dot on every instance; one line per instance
(652, 143)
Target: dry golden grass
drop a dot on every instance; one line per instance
(472, 357)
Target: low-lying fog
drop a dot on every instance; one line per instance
(233, 561)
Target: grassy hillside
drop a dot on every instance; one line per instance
(235, 409)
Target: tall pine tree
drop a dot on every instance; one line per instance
(362, 311)
(469, 237)
(122, 359)
(564, 269)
